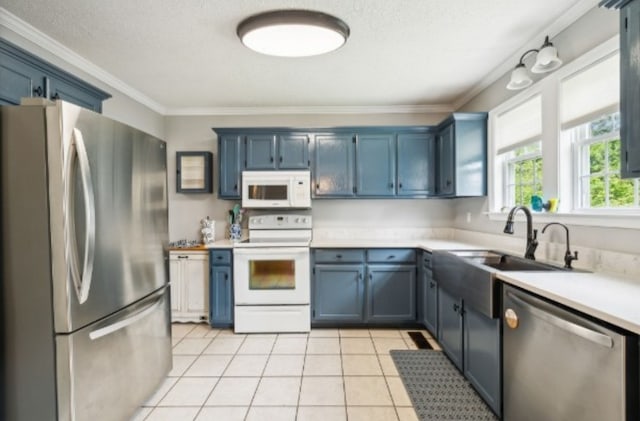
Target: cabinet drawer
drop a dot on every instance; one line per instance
(391, 255)
(221, 257)
(426, 260)
(339, 255)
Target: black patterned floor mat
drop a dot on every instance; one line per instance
(437, 389)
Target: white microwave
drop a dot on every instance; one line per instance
(276, 189)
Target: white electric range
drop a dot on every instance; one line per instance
(271, 275)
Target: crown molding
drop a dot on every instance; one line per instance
(355, 109)
(574, 13)
(33, 35)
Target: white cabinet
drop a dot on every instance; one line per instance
(189, 273)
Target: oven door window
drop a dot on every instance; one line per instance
(268, 192)
(272, 274)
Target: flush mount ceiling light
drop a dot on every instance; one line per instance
(546, 61)
(293, 33)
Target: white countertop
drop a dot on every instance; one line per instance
(610, 297)
(606, 296)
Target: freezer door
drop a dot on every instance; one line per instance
(108, 222)
(106, 370)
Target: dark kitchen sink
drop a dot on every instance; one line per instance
(503, 261)
(471, 274)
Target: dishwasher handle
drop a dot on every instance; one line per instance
(561, 323)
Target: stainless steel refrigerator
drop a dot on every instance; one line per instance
(85, 296)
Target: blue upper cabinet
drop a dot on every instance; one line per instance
(375, 164)
(293, 151)
(461, 156)
(630, 90)
(261, 151)
(230, 152)
(445, 160)
(333, 160)
(274, 151)
(415, 157)
(24, 75)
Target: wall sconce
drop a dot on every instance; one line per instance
(293, 33)
(546, 61)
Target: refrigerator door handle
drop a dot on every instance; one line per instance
(561, 323)
(121, 324)
(82, 282)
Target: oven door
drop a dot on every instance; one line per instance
(271, 275)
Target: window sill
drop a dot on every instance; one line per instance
(624, 219)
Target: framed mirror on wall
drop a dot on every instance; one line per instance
(194, 170)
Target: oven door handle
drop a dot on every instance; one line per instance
(270, 251)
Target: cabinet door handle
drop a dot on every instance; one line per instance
(235, 187)
(391, 256)
(399, 185)
(38, 91)
(432, 284)
(317, 186)
(390, 185)
(456, 307)
(219, 257)
(281, 159)
(271, 158)
(338, 256)
(226, 276)
(371, 277)
(448, 183)
(183, 257)
(55, 96)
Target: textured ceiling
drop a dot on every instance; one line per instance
(185, 54)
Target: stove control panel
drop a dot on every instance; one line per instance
(280, 221)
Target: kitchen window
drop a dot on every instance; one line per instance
(519, 152)
(523, 166)
(596, 151)
(567, 125)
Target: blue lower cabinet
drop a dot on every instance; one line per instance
(338, 293)
(472, 342)
(350, 287)
(482, 356)
(450, 326)
(221, 289)
(430, 302)
(391, 293)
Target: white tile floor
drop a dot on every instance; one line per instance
(326, 375)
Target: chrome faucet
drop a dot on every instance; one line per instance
(532, 242)
(568, 257)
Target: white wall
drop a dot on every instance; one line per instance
(594, 28)
(195, 133)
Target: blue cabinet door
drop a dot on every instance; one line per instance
(375, 164)
(231, 165)
(261, 151)
(18, 79)
(416, 164)
(482, 356)
(221, 297)
(445, 157)
(293, 151)
(450, 326)
(430, 303)
(629, 90)
(333, 165)
(391, 293)
(338, 293)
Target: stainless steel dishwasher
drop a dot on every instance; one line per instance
(561, 366)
